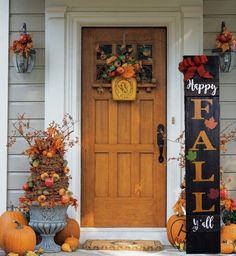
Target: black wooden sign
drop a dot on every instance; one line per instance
(202, 127)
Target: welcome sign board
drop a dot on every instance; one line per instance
(202, 112)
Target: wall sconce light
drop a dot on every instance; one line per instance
(24, 53)
(226, 49)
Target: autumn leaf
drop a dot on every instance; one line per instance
(191, 156)
(210, 123)
(213, 193)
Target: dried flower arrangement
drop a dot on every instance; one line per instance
(226, 41)
(124, 64)
(23, 46)
(48, 182)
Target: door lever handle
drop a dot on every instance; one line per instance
(160, 141)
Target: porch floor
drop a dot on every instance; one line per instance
(167, 251)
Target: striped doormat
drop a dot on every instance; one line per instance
(129, 245)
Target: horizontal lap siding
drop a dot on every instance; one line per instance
(216, 11)
(26, 91)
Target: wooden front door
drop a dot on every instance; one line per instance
(123, 183)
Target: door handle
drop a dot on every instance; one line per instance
(160, 141)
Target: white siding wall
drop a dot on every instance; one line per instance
(216, 11)
(26, 91)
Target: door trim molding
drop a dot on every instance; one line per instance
(69, 26)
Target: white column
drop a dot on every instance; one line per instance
(54, 64)
(192, 30)
(4, 37)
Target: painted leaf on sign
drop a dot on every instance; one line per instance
(210, 123)
(191, 156)
(213, 193)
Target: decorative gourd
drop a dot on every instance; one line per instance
(7, 220)
(71, 229)
(176, 228)
(19, 239)
(228, 232)
(66, 247)
(227, 247)
(73, 242)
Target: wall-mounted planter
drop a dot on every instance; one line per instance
(25, 64)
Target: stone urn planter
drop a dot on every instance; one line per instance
(47, 222)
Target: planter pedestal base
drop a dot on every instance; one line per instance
(48, 244)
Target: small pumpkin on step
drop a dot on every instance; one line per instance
(73, 242)
(72, 229)
(66, 248)
(227, 247)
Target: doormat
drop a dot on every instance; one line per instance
(129, 245)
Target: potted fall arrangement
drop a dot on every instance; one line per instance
(47, 196)
(24, 54)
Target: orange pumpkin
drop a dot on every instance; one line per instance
(73, 242)
(176, 228)
(19, 239)
(7, 220)
(227, 247)
(228, 232)
(72, 229)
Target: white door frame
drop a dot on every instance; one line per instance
(4, 50)
(63, 87)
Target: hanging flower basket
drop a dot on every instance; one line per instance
(24, 64)
(24, 54)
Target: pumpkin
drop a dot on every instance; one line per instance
(66, 247)
(227, 247)
(73, 242)
(228, 232)
(176, 228)
(19, 239)
(71, 229)
(7, 220)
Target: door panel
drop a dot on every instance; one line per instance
(123, 184)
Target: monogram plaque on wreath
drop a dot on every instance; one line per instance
(124, 89)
